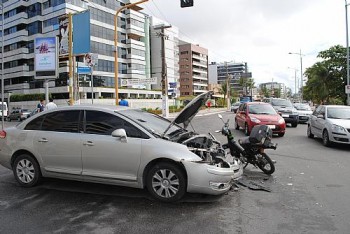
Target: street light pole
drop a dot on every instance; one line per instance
(2, 67)
(116, 44)
(347, 50)
(301, 74)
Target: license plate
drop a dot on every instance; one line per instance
(271, 126)
(284, 115)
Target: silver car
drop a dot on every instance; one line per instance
(121, 146)
(331, 123)
(304, 111)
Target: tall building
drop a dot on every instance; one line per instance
(171, 45)
(26, 20)
(272, 86)
(193, 69)
(235, 70)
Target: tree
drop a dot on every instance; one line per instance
(327, 78)
(224, 90)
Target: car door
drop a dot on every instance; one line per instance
(320, 121)
(317, 126)
(108, 157)
(313, 119)
(58, 141)
(239, 115)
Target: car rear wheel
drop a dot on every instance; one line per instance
(295, 124)
(166, 182)
(325, 138)
(309, 133)
(236, 125)
(246, 130)
(281, 134)
(26, 171)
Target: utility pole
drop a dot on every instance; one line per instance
(164, 82)
(347, 50)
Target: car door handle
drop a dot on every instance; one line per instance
(43, 140)
(88, 143)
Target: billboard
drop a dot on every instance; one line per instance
(63, 35)
(81, 33)
(45, 57)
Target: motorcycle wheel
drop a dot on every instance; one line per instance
(265, 164)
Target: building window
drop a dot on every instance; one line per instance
(34, 28)
(50, 22)
(34, 10)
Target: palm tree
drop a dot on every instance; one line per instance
(224, 91)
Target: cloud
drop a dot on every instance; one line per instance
(259, 32)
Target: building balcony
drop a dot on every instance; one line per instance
(21, 33)
(20, 18)
(24, 68)
(200, 58)
(134, 32)
(200, 64)
(135, 42)
(199, 70)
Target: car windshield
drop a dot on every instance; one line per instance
(261, 109)
(302, 107)
(338, 113)
(281, 102)
(153, 123)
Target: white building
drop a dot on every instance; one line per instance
(171, 44)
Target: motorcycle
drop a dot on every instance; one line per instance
(251, 149)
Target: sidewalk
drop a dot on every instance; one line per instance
(204, 112)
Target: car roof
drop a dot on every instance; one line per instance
(259, 103)
(336, 106)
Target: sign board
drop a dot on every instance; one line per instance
(91, 59)
(129, 82)
(63, 35)
(84, 70)
(347, 89)
(81, 32)
(45, 57)
(172, 85)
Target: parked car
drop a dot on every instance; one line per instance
(19, 114)
(121, 146)
(304, 111)
(286, 109)
(331, 123)
(235, 106)
(259, 113)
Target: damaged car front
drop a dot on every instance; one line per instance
(209, 168)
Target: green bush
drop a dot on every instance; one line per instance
(27, 97)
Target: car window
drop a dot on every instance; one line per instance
(62, 121)
(261, 109)
(98, 122)
(338, 113)
(317, 110)
(35, 124)
(281, 102)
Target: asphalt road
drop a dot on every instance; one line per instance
(309, 194)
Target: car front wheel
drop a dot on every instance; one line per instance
(26, 170)
(325, 139)
(166, 182)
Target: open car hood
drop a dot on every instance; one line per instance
(190, 111)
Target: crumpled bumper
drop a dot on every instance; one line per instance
(211, 179)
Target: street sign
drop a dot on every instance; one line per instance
(129, 82)
(84, 70)
(347, 89)
(172, 85)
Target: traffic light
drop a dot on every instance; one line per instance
(186, 3)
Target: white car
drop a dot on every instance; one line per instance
(331, 123)
(304, 111)
(121, 146)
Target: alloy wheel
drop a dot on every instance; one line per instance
(25, 171)
(165, 183)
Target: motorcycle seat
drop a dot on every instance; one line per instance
(244, 141)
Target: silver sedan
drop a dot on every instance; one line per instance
(120, 146)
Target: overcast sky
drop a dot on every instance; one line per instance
(259, 32)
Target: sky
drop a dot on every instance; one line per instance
(259, 32)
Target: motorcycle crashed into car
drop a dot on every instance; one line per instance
(251, 150)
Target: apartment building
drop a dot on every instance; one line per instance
(272, 86)
(193, 69)
(171, 46)
(218, 72)
(26, 20)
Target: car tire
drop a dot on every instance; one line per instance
(246, 130)
(308, 132)
(26, 171)
(295, 124)
(236, 125)
(325, 138)
(166, 182)
(281, 134)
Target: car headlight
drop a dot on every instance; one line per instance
(281, 121)
(337, 128)
(255, 120)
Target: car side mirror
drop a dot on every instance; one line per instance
(320, 116)
(120, 133)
